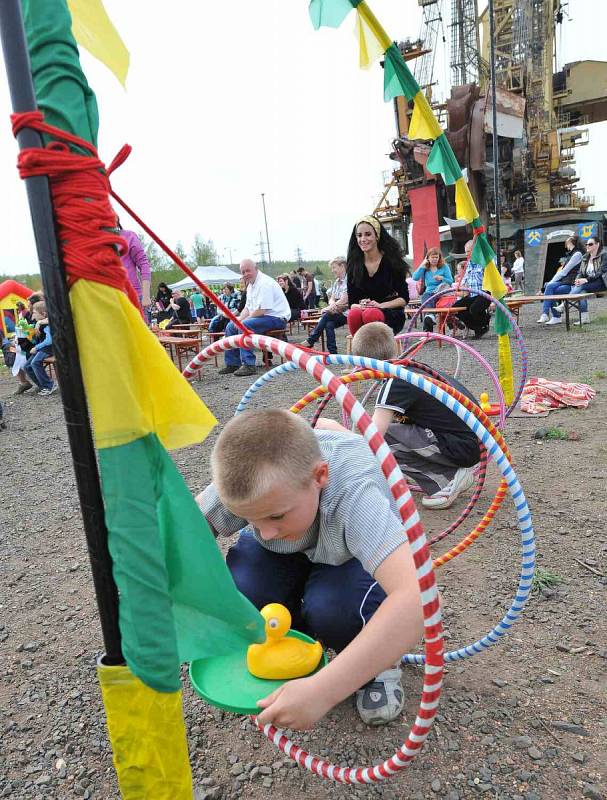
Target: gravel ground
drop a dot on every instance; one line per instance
(528, 719)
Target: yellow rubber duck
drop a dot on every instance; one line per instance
(281, 657)
(484, 401)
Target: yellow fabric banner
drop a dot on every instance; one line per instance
(148, 737)
(93, 29)
(424, 124)
(464, 203)
(132, 387)
(504, 361)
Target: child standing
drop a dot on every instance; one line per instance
(321, 534)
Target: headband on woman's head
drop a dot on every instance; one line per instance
(372, 221)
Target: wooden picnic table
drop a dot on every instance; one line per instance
(179, 346)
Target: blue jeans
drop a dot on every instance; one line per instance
(34, 368)
(234, 358)
(328, 603)
(593, 285)
(218, 323)
(554, 288)
(328, 323)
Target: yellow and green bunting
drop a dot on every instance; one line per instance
(399, 82)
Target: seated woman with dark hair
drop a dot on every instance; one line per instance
(294, 296)
(592, 276)
(562, 281)
(377, 285)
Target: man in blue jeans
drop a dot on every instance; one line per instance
(266, 309)
(334, 314)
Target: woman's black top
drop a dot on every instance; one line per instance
(388, 283)
(294, 298)
(164, 296)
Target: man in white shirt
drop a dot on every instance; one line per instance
(266, 309)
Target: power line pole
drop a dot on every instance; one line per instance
(299, 256)
(261, 250)
(265, 219)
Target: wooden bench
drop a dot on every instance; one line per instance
(569, 301)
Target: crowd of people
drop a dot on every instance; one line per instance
(31, 348)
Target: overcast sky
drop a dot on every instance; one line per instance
(227, 100)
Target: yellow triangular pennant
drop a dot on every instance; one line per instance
(493, 281)
(424, 124)
(464, 204)
(370, 46)
(93, 29)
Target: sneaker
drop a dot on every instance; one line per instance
(47, 392)
(585, 319)
(544, 318)
(444, 498)
(23, 387)
(307, 343)
(428, 323)
(554, 320)
(228, 369)
(382, 699)
(244, 370)
(560, 308)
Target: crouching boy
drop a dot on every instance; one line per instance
(321, 534)
(434, 448)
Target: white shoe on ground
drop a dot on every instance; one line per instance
(444, 498)
(543, 318)
(382, 699)
(585, 319)
(554, 321)
(560, 308)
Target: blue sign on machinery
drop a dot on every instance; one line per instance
(587, 229)
(534, 237)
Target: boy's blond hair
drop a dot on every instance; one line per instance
(261, 450)
(375, 340)
(39, 308)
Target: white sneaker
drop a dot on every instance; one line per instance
(554, 321)
(47, 392)
(560, 308)
(585, 319)
(382, 699)
(444, 498)
(543, 318)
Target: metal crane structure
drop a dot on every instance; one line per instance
(542, 112)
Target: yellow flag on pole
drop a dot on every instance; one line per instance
(94, 30)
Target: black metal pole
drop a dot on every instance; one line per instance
(496, 185)
(16, 60)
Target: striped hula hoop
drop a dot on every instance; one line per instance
(433, 659)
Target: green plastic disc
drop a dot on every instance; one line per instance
(225, 681)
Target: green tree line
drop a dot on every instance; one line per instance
(201, 253)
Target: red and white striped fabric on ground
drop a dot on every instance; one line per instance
(540, 395)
